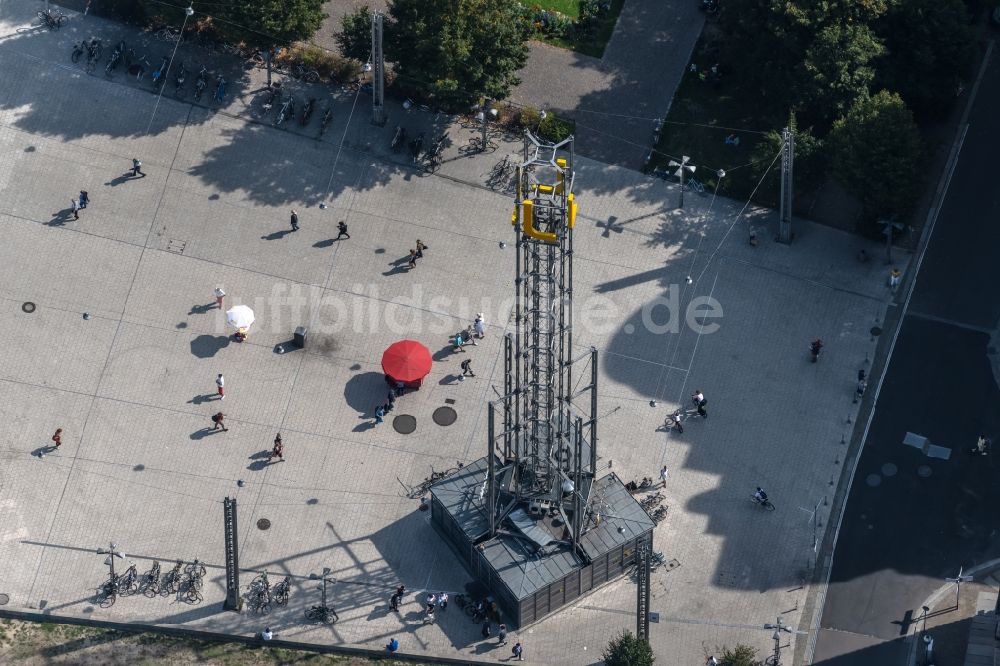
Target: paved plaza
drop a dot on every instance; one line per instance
(132, 381)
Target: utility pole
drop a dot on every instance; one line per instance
(958, 580)
(378, 71)
(682, 167)
(778, 628)
(787, 158)
(889, 228)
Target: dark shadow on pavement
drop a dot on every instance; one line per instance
(205, 432)
(207, 346)
(60, 218)
(199, 399)
(202, 309)
(277, 235)
(363, 392)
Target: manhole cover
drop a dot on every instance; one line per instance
(28, 307)
(876, 330)
(924, 471)
(873, 480)
(4, 599)
(444, 416)
(263, 524)
(404, 424)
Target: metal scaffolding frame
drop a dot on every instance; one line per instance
(548, 444)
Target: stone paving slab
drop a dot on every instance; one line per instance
(133, 386)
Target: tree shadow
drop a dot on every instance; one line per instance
(207, 346)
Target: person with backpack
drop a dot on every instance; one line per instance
(698, 398)
(518, 651)
(219, 421)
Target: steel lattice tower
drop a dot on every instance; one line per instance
(548, 445)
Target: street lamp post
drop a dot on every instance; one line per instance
(112, 552)
(778, 628)
(682, 168)
(323, 608)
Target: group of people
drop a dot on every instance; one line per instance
(385, 408)
(417, 253)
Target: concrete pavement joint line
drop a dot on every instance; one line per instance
(924, 243)
(950, 322)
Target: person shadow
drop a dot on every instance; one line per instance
(449, 379)
(261, 459)
(205, 432)
(324, 243)
(202, 309)
(367, 425)
(277, 235)
(398, 266)
(61, 218)
(199, 399)
(124, 178)
(43, 451)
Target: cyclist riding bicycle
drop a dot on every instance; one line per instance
(760, 495)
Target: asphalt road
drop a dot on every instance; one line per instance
(912, 520)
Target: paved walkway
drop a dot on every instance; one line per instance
(133, 384)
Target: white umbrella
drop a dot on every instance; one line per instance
(240, 317)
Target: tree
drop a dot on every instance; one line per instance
(628, 650)
(931, 50)
(741, 655)
(355, 39)
(262, 23)
(876, 152)
(457, 50)
(838, 70)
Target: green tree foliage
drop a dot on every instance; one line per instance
(355, 39)
(766, 40)
(838, 69)
(457, 50)
(267, 22)
(876, 153)
(261, 23)
(931, 50)
(741, 655)
(627, 650)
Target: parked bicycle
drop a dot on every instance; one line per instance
(287, 109)
(193, 583)
(113, 61)
(179, 78)
(220, 89)
(140, 68)
(52, 19)
(281, 591)
(323, 614)
(327, 116)
(200, 83)
(151, 585)
(172, 583)
(128, 582)
(398, 139)
(307, 111)
(258, 595)
(107, 593)
(94, 50)
(161, 72)
(417, 147)
(301, 71)
(659, 514)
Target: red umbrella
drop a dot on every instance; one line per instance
(406, 361)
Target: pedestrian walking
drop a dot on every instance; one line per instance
(698, 398)
(57, 438)
(220, 383)
(379, 413)
(859, 392)
(467, 368)
(443, 600)
(479, 325)
(664, 475)
(675, 419)
(502, 635)
(342, 230)
(391, 401)
(279, 449)
(76, 208)
(420, 249)
(137, 168)
(517, 651)
(486, 629)
(895, 276)
(84, 198)
(295, 221)
(220, 421)
(394, 601)
(412, 263)
(431, 602)
(219, 295)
